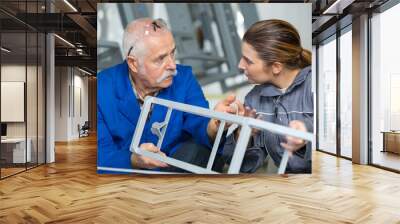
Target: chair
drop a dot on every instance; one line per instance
(84, 130)
(246, 125)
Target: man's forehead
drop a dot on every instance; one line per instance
(152, 28)
(159, 44)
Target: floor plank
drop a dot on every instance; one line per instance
(387, 159)
(70, 191)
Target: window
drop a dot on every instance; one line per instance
(346, 92)
(327, 96)
(385, 87)
(22, 66)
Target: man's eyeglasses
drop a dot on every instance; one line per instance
(154, 25)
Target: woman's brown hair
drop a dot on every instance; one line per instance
(278, 41)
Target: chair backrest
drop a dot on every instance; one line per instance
(246, 125)
(86, 125)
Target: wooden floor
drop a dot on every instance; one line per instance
(387, 159)
(10, 171)
(70, 191)
(5, 172)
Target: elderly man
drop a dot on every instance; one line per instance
(150, 70)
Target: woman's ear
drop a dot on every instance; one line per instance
(277, 67)
(132, 62)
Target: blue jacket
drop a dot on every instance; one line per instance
(118, 112)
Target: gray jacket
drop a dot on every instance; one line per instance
(280, 108)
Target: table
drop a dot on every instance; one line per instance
(391, 141)
(13, 150)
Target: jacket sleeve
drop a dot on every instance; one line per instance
(309, 122)
(109, 154)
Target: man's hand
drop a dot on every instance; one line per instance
(225, 106)
(139, 161)
(248, 112)
(292, 143)
(252, 113)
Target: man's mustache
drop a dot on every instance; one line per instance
(166, 75)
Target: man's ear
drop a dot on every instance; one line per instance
(277, 67)
(133, 64)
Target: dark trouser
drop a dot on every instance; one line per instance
(195, 154)
(252, 160)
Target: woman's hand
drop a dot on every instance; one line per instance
(225, 106)
(248, 112)
(292, 143)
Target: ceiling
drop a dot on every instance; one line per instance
(72, 20)
(332, 15)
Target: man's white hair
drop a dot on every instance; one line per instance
(133, 40)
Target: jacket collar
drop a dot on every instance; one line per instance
(127, 101)
(271, 90)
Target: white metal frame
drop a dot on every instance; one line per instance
(246, 124)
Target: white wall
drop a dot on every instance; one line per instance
(33, 126)
(12, 100)
(61, 83)
(70, 83)
(12, 73)
(298, 14)
(80, 83)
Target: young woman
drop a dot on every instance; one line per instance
(273, 58)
